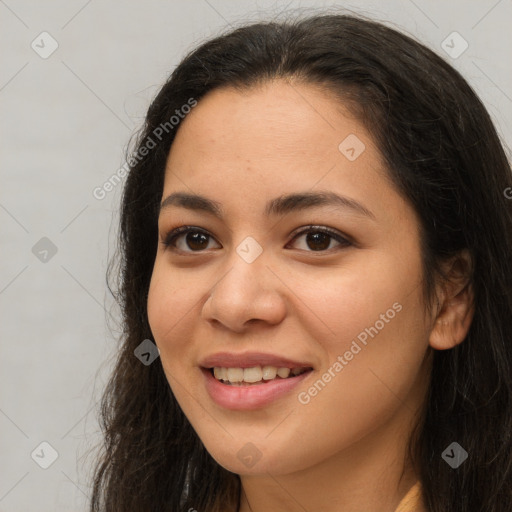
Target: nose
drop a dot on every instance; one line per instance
(247, 293)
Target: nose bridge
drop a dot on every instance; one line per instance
(247, 291)
(249, 250)
(247, 274)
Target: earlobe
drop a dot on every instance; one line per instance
(456, 309)
(452, 325)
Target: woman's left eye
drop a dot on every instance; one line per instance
(319, 239)
(316, 239)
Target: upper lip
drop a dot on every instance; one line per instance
(250, 359)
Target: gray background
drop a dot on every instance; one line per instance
(65, 122)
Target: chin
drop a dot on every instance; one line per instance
(254, 458)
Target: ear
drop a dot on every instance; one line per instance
(456, 304)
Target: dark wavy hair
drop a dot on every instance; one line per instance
(444, 156)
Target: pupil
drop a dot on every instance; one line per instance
(318, 241)
(194, 240)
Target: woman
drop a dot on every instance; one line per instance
(315, 234)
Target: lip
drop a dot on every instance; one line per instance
(250, 359)
(255, 396)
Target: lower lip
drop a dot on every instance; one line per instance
(246, 398)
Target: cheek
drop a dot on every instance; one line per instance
(369, 310)
(378, 345)
(170, 300)
(342, 301)
(363, 384)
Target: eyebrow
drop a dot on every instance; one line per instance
(279, 206)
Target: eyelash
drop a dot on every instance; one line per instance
(172, 235)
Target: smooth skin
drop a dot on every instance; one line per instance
(345, 449)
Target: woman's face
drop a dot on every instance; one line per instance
(250, 285)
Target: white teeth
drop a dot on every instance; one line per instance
(285, 372)
(220, 373)
(254, 374)
(269, 372)
(235, 374)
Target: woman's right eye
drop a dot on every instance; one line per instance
(188, 239)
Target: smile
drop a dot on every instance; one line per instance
(251, 380)
(246, 396)
(254, 375)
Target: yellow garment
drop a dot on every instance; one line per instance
(412, 501)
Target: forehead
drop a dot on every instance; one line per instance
(274, 116)
(279, 127)
(242, 147)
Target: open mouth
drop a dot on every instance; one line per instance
(256, 375)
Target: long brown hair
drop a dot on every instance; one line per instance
(442, 153)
